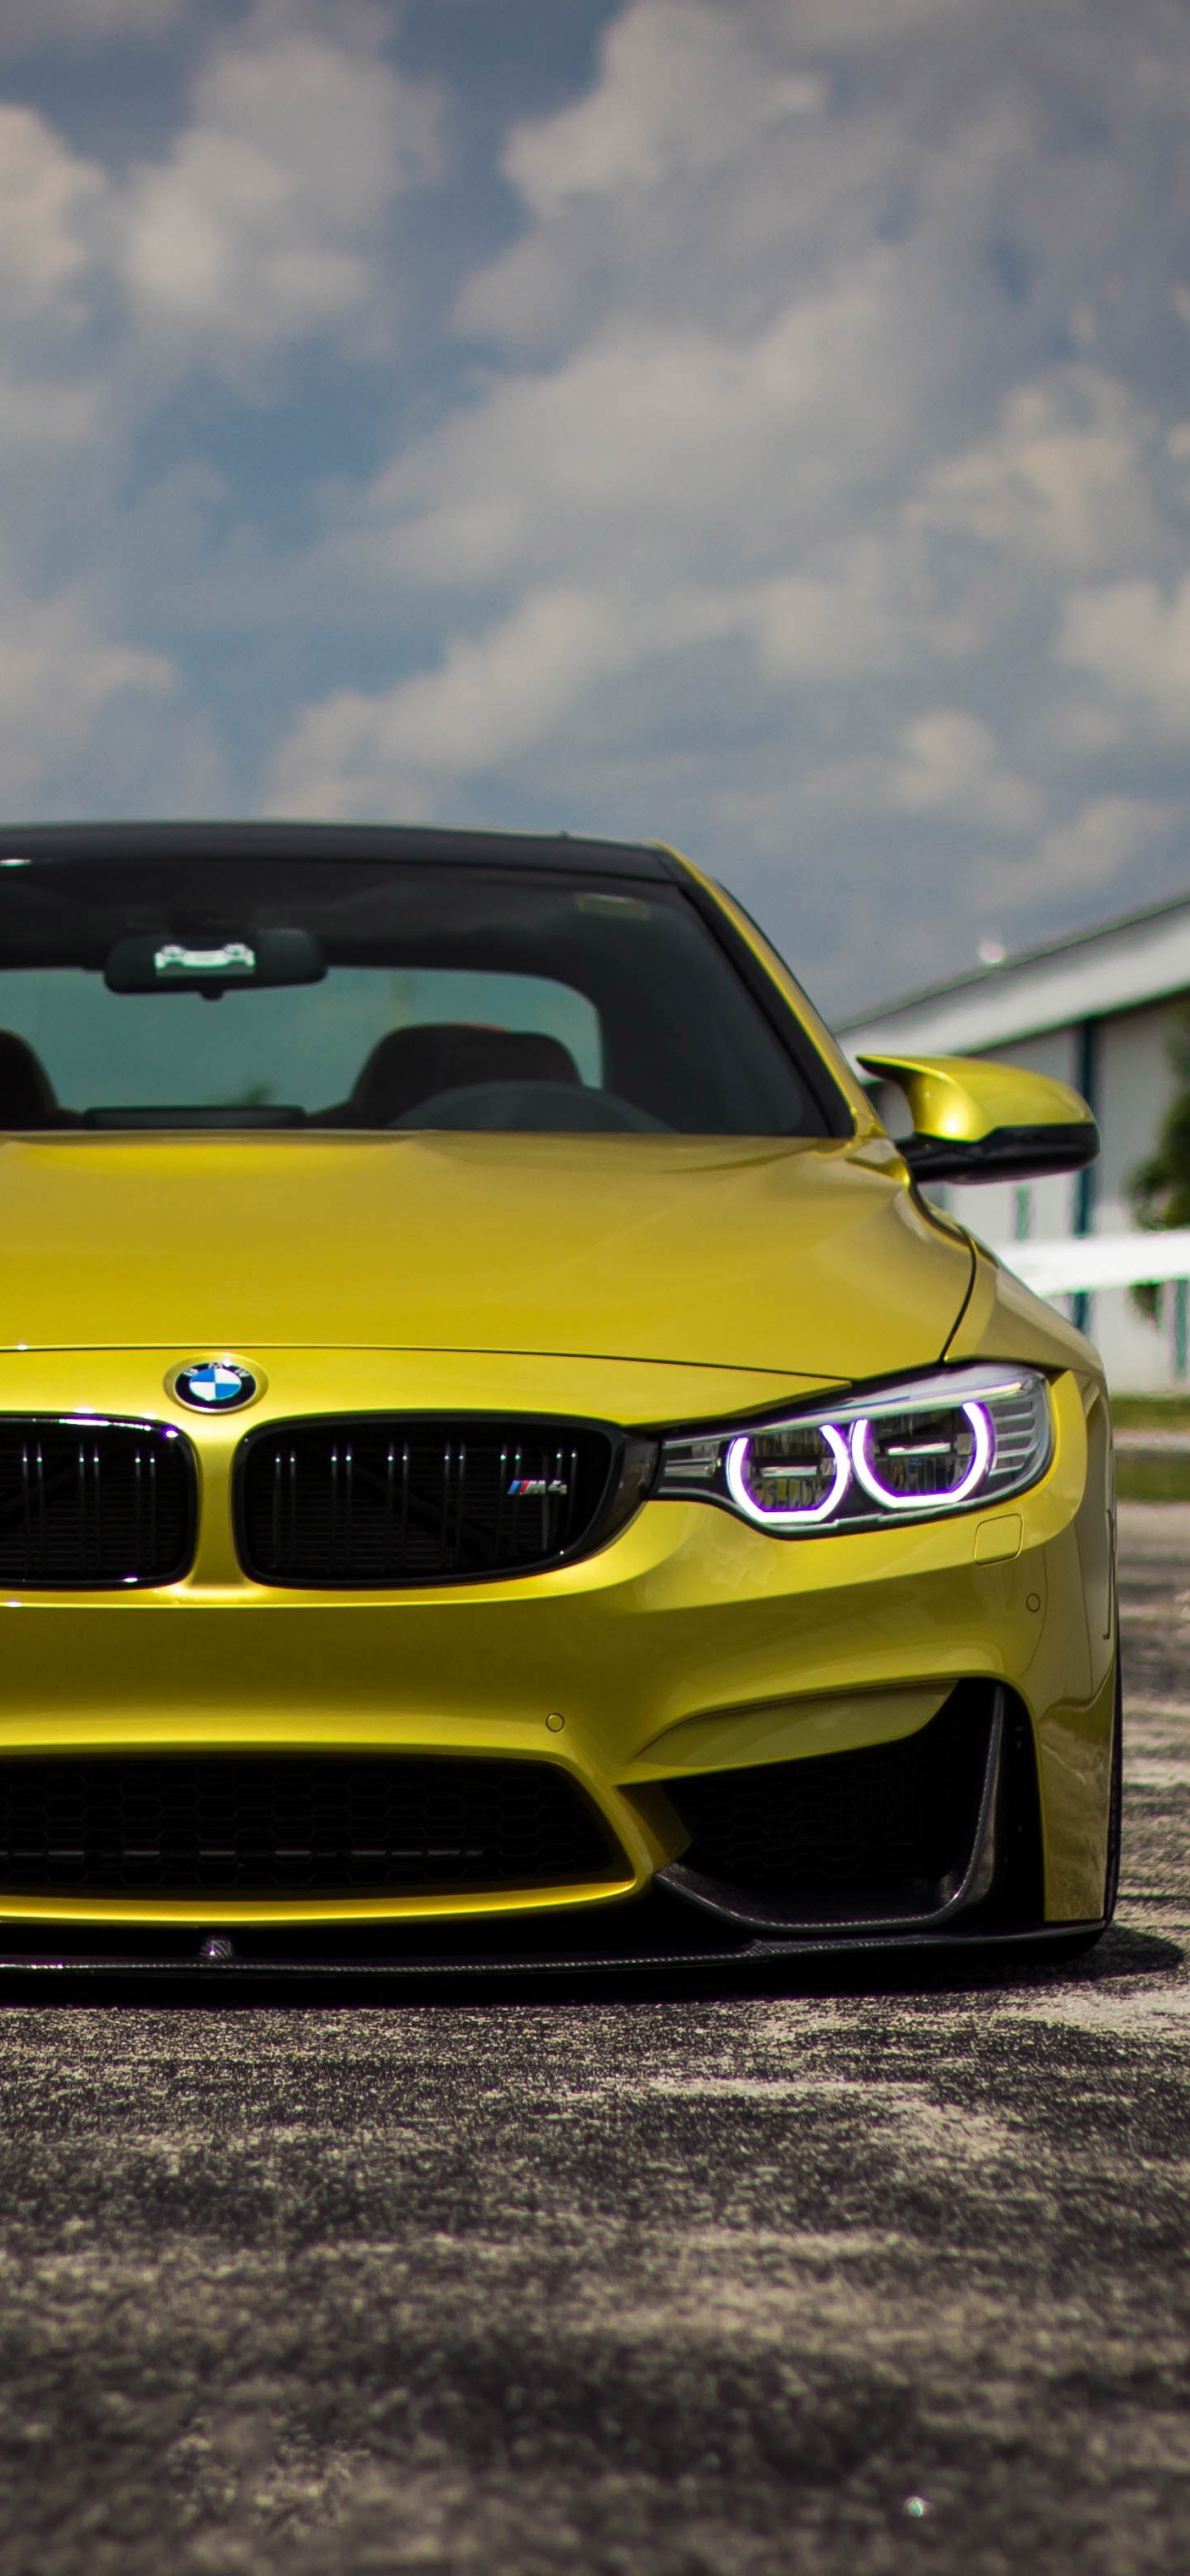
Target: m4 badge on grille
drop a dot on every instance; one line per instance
(525, 1485)
(214, 1386)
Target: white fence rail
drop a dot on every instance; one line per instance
(1085, 1262)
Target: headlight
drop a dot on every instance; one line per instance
(959, 1440)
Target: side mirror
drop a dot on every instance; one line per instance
(974, 1121)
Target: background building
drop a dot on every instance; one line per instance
(1098, 1012)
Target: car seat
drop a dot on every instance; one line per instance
(27, 1097)
(414, 1064)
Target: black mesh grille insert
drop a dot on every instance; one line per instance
(263, 1825)
(97, 1504)
(890, 1826)
(413, 1500)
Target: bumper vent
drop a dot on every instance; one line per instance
(890, 1831)
(267, 1826)
(381, 1501)
(94, 1505)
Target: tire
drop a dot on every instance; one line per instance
(1115, 1815)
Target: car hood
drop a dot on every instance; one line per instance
(807, 1259)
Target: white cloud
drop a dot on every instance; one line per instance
(1080, 857)
(681, 90)
(718, 169)
(683, 451)
(490, 701)
(29, 24)
(1135, 640)
(1063, 477)
(833, 626)
(47, 419)
(951, 765)
(53, 213)
(59, 675)
(538, 677)
(687, 86)
(50, 201)
(848, 24)
(268, 222)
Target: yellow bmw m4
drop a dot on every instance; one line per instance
(499, 1459)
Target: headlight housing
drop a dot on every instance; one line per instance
(960, 1440)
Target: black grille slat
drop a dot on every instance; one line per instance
(373, 1501)
(95, 1505)
(33, 1502)
(261, 1825)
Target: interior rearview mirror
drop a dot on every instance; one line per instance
(155, 962)
(976, 1121)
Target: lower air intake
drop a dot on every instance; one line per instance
(889, 1830)
(94, 1505)
(265, 1826)
(374, 1500)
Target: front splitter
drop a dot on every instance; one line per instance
(219, 1965)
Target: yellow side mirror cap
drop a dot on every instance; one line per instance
(976, 1121)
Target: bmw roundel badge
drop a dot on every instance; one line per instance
(214, 1386)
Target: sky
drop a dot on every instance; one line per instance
(759, 425)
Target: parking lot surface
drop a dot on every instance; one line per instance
(734, 2280)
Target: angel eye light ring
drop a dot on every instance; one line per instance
(743, 1469)
(861, 1439)
(733, 1471)
(852, 1457)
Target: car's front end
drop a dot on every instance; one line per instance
(477, 1540)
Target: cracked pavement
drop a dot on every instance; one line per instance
(715, 2282)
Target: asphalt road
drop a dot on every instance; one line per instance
(710, 2286)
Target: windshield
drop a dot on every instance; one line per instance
(252, 992)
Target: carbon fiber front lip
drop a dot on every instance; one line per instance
(751, 1954)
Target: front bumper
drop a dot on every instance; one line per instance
(692, 1645)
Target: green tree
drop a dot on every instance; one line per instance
(1160, 1187)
